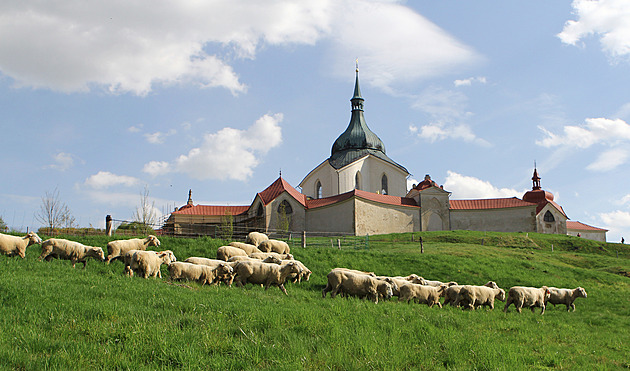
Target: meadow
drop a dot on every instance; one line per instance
(55, 317)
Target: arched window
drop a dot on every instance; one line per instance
(259, 211)
(384, 185)
(549, 217)
(318, 190)
(285, 207)
(357, 180)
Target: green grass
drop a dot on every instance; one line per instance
(56, 317)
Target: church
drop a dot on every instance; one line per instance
(359, 190)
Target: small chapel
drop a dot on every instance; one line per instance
(359, 190)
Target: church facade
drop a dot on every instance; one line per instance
(359, 190)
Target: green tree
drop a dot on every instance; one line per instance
(3, 225)
(284, 217)
(227, 225)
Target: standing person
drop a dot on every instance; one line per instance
(622, 240)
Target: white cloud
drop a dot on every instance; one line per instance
(105, 179)
(625, 199)
(616, 221)
(155, 168)
(467, 187)
(227, 154)
(135, 129)
(609, 160)
(159, 137)
(434, 132)
(63, 161)
(410, 183)
(130, 47)
(469, 81)
(607, 19)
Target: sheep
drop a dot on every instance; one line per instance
(226, 252)
(264, 273)
(304, 273)
(201, 273)
(439, 283)
(264, 255)
(396, 282)
(249, 249)
(127, 262)
(565, 296)
(371, 274)
(147, 263)
(255, 238)
(70, 250)
(451, 292)
(531, 297)
(269, 259)
(117, 249)
(276, 246)
(422, 294)
(13, 245)
(476, 296)
(413, 278)
(354, 284)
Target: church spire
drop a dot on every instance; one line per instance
(535, 180)
(190, 201)
(357, 99)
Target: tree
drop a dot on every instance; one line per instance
(284, 217)
(145, 213)
(227, 225)
(54, 213)
(3, 225)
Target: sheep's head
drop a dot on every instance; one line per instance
(501, 295)
(385, 289)
(33, 238)
(289, 257)
(167, 257)
(417, 279)
(547, 294)
(272, 260)
(291, 268)
(581, 293)
(96, 253)
(153, 241)
(492, 285)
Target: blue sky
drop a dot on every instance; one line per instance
(100, 99)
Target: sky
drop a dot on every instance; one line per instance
(101, 100)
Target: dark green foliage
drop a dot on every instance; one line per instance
(56, 317)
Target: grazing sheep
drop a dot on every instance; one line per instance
(255, 238)
(413, 278)
(70, 250)
(249, 249)
(127, 261)
(439, 283)
(269, 259)
(276, 246)
(530, 297)
(147, 263)
(117, 249)
(304, 273)
(451, 292)
(395, 282)
(226, 252)
(264, 274)
(472, 297)
(565, 296)
(13, 245)
(422, 294)
(371, 274)
(201, 273)
(265, 255)
(353, 284)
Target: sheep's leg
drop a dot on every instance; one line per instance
(508, 301)
(572, 306)
(543, 309)
(84, 263)
(281, 286)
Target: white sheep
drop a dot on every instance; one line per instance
(422, 294)
(530, 297)
(276, 246)
(439, 283)
(117, 249)
(565, 296)
(127, 262)
(413, 278)
(255, 238)
(353, 284)
(265, 255)
(269, 259)
(451, 292)
(201, 273)
(371, 274)
(476, 296)
(147, 263)
(395, 282)
(248, 248)
(264, 274)
(13, 245)
(69, 250)
(304, 273)
(226, 252)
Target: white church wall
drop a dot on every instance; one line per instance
(375, 218)
(558, 226)
(297, 218)
(513, 219)
(590, 235)
(324, 173)
(338, 217)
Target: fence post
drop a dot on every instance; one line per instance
(421, 246)
(303, 239)
(108, 225)
(339, 245)
(551, 247)
(367, 241)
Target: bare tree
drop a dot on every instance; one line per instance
(145, 213)
(54, 213)
(227, 225)
(3, 225)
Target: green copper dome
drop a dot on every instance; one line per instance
(358, 140)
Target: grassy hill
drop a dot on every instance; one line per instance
(56, 317)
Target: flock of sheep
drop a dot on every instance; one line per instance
(267, 262)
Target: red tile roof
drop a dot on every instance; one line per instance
(276, 188)
(211, 210)
(543, 203)
(384, 199)
(488, 203)
(583, 227)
